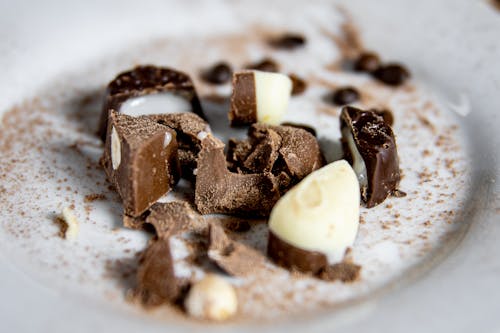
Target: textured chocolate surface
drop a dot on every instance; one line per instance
(233, 257)
(146, 80)
(376, 144)
(243, 109)
(190, 128)
(148, 169)
(156, 280)
(219, 190)
(302, 126)
(289, 153)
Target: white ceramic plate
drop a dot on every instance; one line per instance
(452, 48)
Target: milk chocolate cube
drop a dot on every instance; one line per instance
(370, 146)
(147, 90)
(140, 160)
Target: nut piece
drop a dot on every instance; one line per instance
(116, 150)
(212, 298)
(259, 97)
(320, 214)
(72, 225)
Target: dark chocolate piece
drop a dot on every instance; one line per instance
(265, 65)
(298, 84)
(367, 62)
(243, 109)
(344, 95)
(220, 191)
(288, 41)
(190, 129)
(392, 74)
(294, 258)
(218, 74)
(140, 160)
(302, 126)
(386, 114)
(146, 80)
(376, 144)
(233, 257)
(289, 153)
(156, 280)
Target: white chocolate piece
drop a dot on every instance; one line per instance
(72, 223)
(212, 298)
(116, 150)
(321, 213)
(358, 164)
(272, 93)
(155, 104)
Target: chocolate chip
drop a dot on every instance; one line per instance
(265, 65)
(343, 96)
(367, 62)
(298, 84)
(218, 74)
(288, 41)
(392, 74)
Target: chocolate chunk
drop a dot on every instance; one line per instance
(298, 84)
(294, 258)
(173, 218)
(343, 271)
(171, 91)
(156, 280)
(140, 160)
(218, 73)
(220, 191)
(302, 126)
(367, 62)
(234, 258)
(370, 146)
(288, 41)
(344, 95)
(259, 97)
(265, 65)
(392, 74)
(289, 153)
(190, 129)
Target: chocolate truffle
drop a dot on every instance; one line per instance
(140, 160)
(370, 146)
(219, 190)
(259, 97)
(149, 90)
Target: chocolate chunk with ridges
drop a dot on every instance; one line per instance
(294, 258)
(233, 257)
(140, 160)
(288, 41)
(219, 190)
(289, 153)
(367, 62)
(265, 65)
(218, 74)
(156, 280)
(259, 97)
(370, 146)
(299, 85)
(392, 74)
(143, 81)
(190, 129)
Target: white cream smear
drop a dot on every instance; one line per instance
(155, 104)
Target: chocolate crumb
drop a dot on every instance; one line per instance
(265, 65)
(392, 74)
(288, 41)
(343, 96)
(218, 74)
(344, 271)
(94, 197)
(367, 62)
(298, 84)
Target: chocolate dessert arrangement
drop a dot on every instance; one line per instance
(155, 133)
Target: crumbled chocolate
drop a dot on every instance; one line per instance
(218, 74)
(146, 80)
(288, 41)
(343, 271)
(392, 74)
(233, 257)
(298, 84)
(219, 190)
(265, 65)
(140, 160)
(344, 96)
(367, 62)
